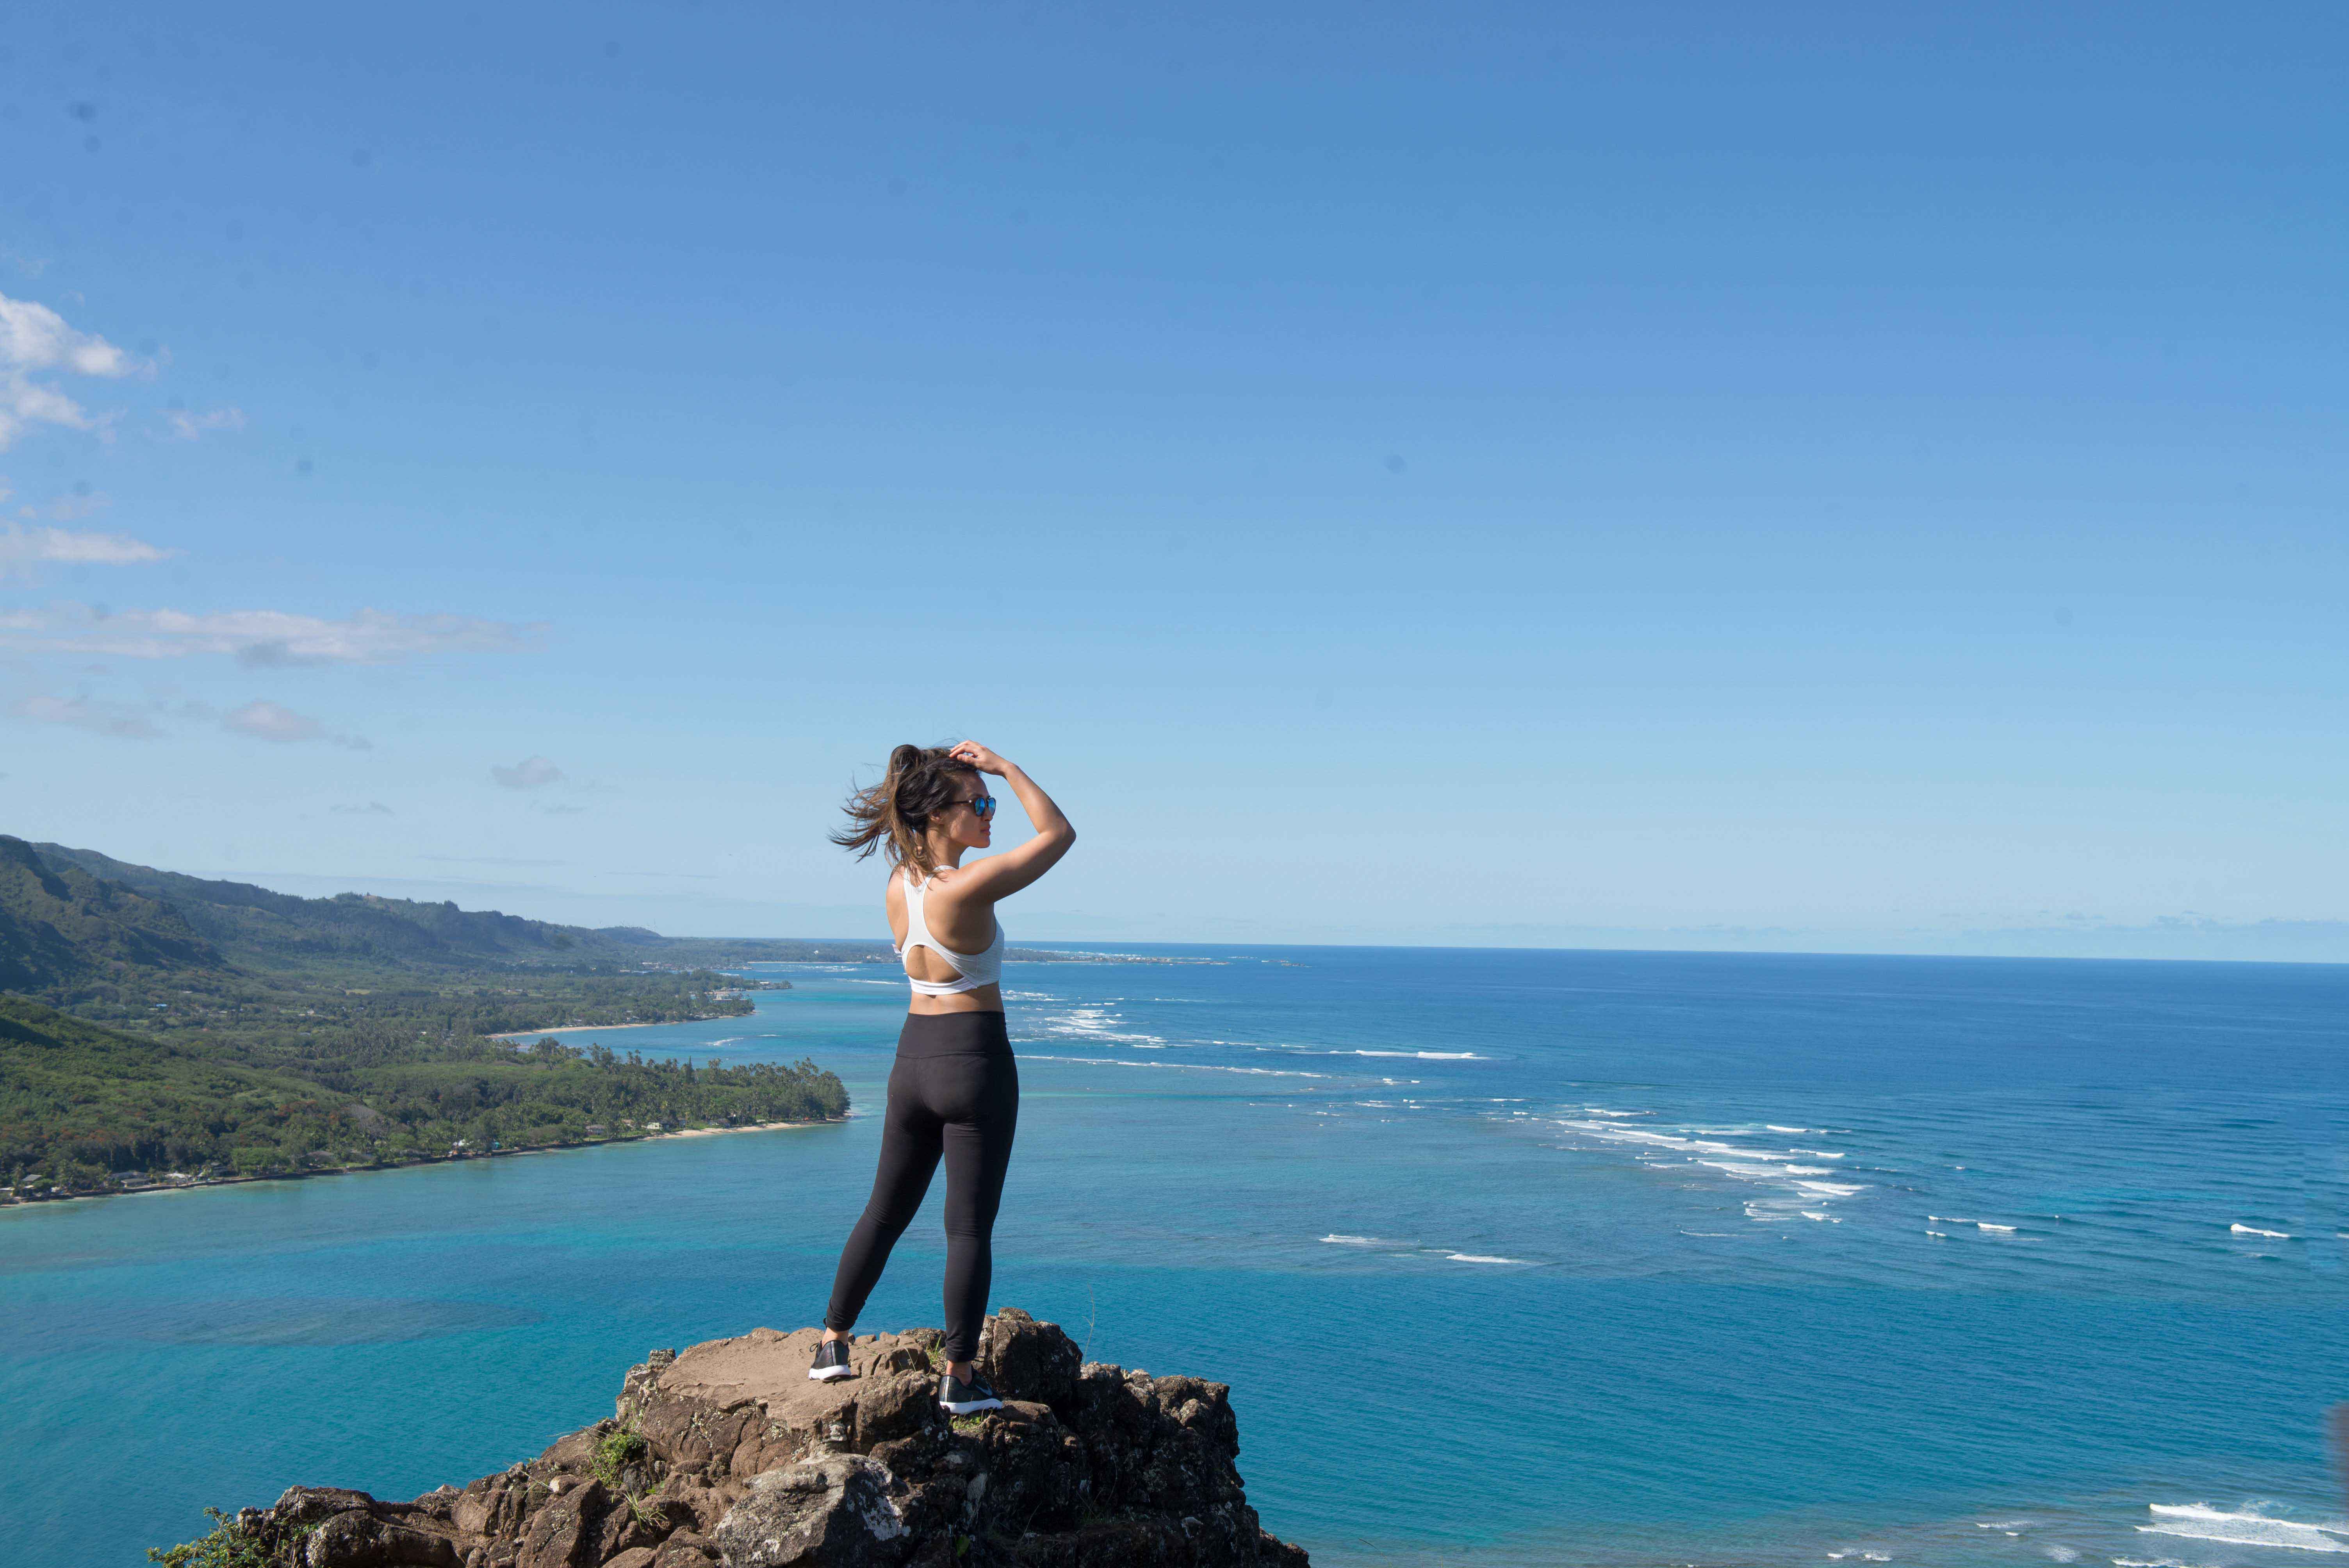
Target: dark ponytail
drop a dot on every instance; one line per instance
(891, 816)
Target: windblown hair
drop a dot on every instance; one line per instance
(893, 815)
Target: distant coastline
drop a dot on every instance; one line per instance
(586, 1028)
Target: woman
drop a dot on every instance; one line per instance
(954, 1092)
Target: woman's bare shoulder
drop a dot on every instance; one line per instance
(950, 881)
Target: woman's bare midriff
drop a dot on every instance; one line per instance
(985, 999)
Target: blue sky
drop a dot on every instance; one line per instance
(1851, 477)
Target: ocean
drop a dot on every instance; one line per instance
(1509, 1258)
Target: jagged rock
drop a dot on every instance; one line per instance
(727, 1455)
(566, 1532)
(900, 1406)
(360, 1540)
(685, 1549)
(828, 1512)
(333, 1526)
(1018, 1355)
(300, 1506)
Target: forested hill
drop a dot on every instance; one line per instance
(251, 924)
(62, 928)
(170, 1023)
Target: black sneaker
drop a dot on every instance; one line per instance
(961, 1398)
(831, 1361)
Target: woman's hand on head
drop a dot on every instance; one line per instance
(1001, 875)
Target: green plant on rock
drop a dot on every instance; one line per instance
(229, 1545)
(618, 1449)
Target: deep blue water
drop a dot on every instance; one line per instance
(1510, 1257)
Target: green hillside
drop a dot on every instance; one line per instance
(79, 1103)
(161, 1022)
(103, 1101)
(255, 925)
(267, 973)
(62, 928)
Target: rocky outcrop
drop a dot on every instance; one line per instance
(730, 1455)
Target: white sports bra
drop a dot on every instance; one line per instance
(972, 970)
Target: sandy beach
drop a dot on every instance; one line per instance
(162, 1189)
(598, 1028)
(714, 1132)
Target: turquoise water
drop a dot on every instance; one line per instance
(1509, 1257)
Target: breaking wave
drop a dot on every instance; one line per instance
(1800, 1193)
(1096, 1024)
(2200, 1522)
(1178, 1067)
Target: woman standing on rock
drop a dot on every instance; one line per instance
(954, 1092)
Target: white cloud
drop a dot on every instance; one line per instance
(35, 339)
(266, 720)
(261, 720)
(117, 720)
(24, 548)
(372, 809)
(187, 426)
(256, 637)
(532, 773)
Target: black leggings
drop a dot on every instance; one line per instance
(954, 1092)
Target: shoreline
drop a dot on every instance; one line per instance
(173, 1188)
(585, 1028)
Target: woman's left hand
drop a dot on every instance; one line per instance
(980, 757)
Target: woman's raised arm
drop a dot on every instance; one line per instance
(1001, 876)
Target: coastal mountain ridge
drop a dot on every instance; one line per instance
(61, 925)
(255, 925)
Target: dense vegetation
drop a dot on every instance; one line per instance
(79, 1103)
(163, 1023)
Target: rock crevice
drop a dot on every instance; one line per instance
(729, 1456)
